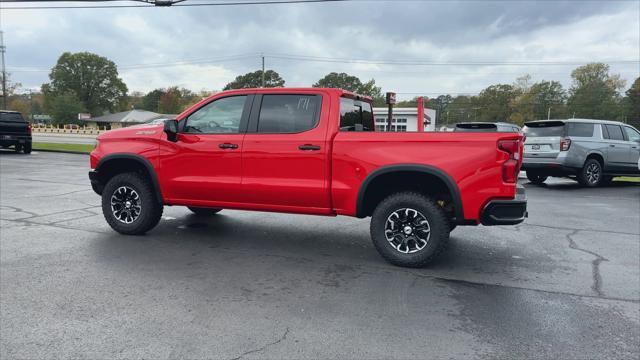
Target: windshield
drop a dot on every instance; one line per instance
(554, 128)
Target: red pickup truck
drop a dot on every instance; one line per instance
(310, 151)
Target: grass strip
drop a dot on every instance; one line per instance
(83, 148)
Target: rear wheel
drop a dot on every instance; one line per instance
(409, 229)
(129, 204)
(18, 148)
(536, 178)
(203, 211)
(591, 173)
(27, 148)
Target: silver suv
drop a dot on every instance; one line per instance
(591, 151)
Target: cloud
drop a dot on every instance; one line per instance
(398, 30)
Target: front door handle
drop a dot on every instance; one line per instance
(611, 145)
(309, 147)
(228, 146)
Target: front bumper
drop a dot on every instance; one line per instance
(96, 185)
(506, 212)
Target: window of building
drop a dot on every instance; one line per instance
(356, 115)
(288, 113)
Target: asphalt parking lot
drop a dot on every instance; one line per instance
(565, 284)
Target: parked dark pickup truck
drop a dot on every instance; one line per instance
(15, 131)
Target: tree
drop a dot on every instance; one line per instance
(64, 109)
(538, 101)
(632, 102)
(151, 101)
(11, 90)
(254, 80)
(21, 105)
(352, 83)
(595, 93)
(494, 102)
(91, 78)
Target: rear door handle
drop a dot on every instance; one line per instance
(309, 147)
(611, 145)
(228, 146)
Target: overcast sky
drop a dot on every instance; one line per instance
(423, 31)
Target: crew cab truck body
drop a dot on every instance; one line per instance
(15, 131)
(310, 151)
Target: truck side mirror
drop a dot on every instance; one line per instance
(171, 129)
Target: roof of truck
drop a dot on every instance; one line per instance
(341, 92)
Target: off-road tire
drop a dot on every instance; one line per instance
(203, 211)
(584, 177)
(438, 222)
(151, 208)
(536, 178)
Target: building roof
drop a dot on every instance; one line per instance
(132, 117)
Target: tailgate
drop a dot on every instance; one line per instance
(542, 147)
(13, 128)
(543, 138)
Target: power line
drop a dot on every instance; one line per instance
(438, 63)
(172, 4)
(352, 61)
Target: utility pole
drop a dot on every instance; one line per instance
(262, 55)
(4, 72)
(549, 113)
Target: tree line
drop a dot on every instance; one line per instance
(86, 82)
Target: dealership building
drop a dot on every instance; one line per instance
(404, 119)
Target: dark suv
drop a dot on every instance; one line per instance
(15, 131)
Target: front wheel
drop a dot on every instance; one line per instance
(203, 211)
(536, 178)
(409, 229)
(129, 204)
(591, 173)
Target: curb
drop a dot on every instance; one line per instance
(61, 151)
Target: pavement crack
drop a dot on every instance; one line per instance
(573, 229)
(595, 264)
(282, 338)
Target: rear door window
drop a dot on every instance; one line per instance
(544, 129)
(580, 129)
(288, 113)
(356, 115)
(613, 132)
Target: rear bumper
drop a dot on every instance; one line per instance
(506, 212)
(549, 168)
(8, 140)
(96, 185)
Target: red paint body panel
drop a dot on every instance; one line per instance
(268, 172)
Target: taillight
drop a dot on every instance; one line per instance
(511, 167)
(565, 144)
(29, 128)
